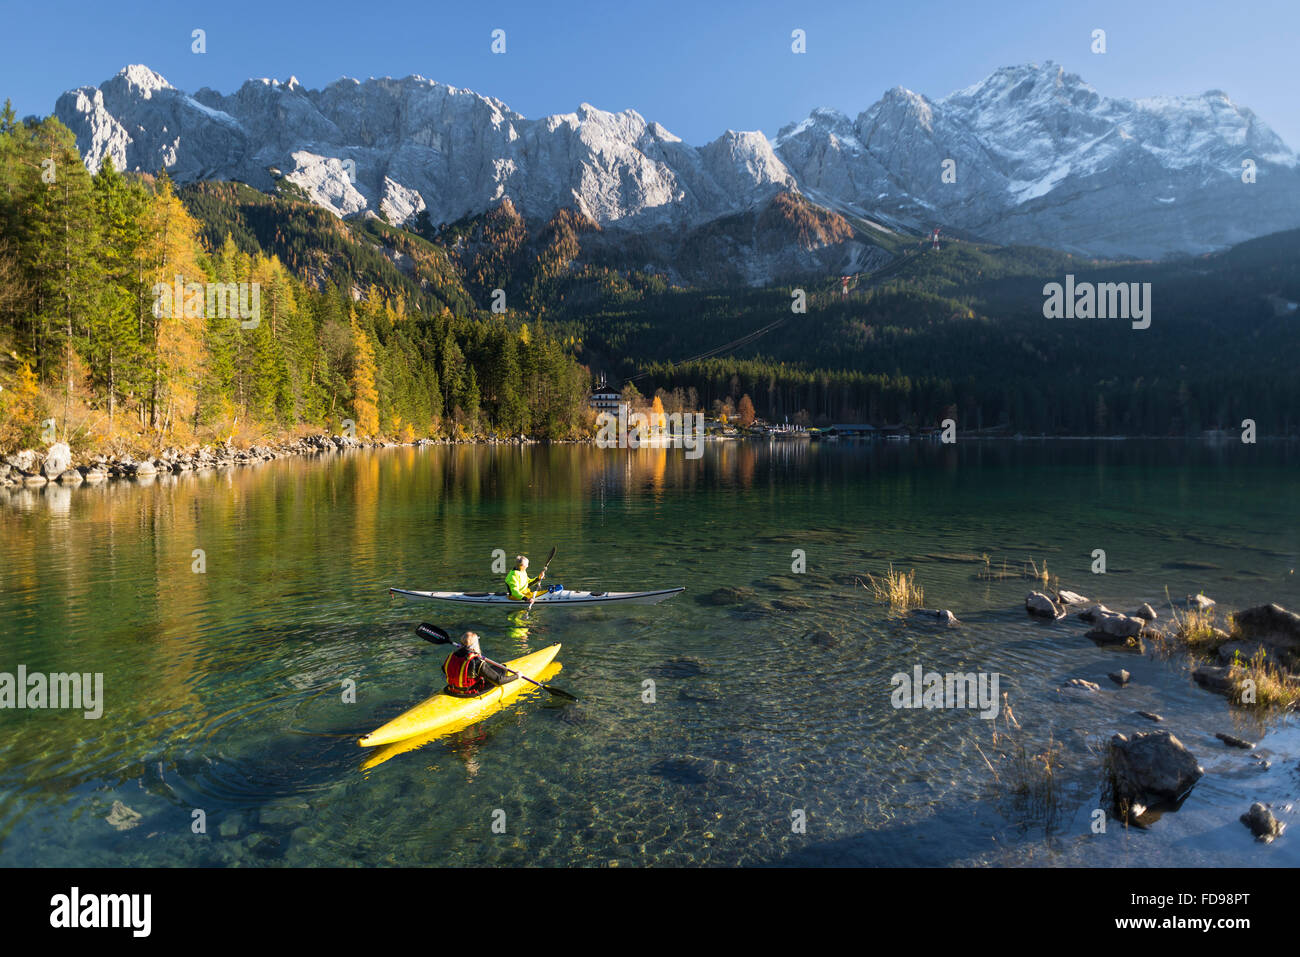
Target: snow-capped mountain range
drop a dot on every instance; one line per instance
(1038, 155)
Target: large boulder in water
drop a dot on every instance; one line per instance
(1092, 614)
(1112, 626)
(1039, 605)
(1151, 768)
(1273, 626)
(57, 460)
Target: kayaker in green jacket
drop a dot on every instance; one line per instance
(518, 583)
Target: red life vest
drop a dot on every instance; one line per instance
(460, 677)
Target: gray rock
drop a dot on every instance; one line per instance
(1039, 605)
(1274, 626)
(1092, 614)
(1115, 625)
(1150, 715)
(1233, 741)
(1213, 678)
(24, 461)
(1199, 602)
(1146, 613)
(1070, 598)
(71, 477)
(1262, 823)
(1120, 677)
(58, 459)
(1151, 768)
(1082, 684)
(1231, 651)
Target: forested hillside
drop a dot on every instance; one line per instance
(960, 332)
(342, 331)
(496, 325)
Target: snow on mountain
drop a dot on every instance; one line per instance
(1040, 157)
(405, 145)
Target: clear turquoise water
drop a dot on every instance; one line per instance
(224, 689)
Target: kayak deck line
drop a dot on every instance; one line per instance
(563, 597)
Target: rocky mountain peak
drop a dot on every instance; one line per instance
(1039, 157)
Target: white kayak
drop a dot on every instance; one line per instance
(564, 596)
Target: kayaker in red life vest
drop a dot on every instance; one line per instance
(469, 673)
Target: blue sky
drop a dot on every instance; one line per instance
(697, 67)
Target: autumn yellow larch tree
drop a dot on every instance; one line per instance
(365, 396)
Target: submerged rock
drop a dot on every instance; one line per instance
(942, 615)
(821, 639)
(1150, 715)
(1082, 684)
(1152, 767)
(689, 771)
(727, 595)
(1262, 823)
(1234, 741)
(677, 668)
(122, 817)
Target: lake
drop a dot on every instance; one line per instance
(229, 612)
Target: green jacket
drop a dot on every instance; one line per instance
(518, 583)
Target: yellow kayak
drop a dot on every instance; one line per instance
(444, 712)
(387, 752)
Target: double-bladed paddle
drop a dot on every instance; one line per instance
(435, 635)
(542, 576)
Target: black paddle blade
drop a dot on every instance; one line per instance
(434, 634)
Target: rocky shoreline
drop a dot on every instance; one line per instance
(32, 469)
(1152, 771)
